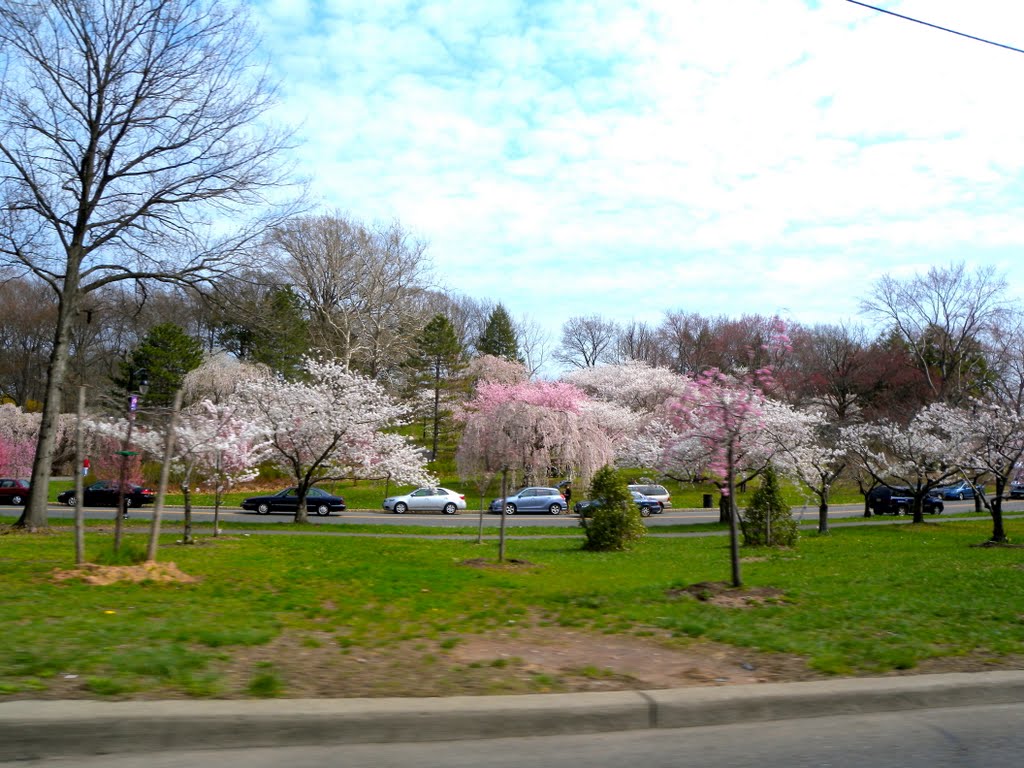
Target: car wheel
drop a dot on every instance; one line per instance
(400, 508)
(16, 500)
(70, 501)
(263, 509)
(555, 509)
(510, 509)
(323, 509)
(128, 501)
(449, 508)
(645, 512)
(902, 509)
(960, 495)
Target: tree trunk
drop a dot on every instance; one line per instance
(917, 507)
(301, 513)
(33, 516)
(165, 471)
(823, 515)
(734, 535)
(79, 480)
(186, 534)
(504, 503)
(998, 532)
(437, 417)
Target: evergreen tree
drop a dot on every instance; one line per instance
(768, 522)
(163, 358)
(612, 521)
(499, 337)
(273, 331)
(438, 357)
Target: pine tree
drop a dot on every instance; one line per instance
(768, 521)
(499, 337)
(163, 358)
(438, 357)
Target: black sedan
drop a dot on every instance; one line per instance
(318, 501)
(646, 504)
(105, 494)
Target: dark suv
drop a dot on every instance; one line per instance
(898, 500)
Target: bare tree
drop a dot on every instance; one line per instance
(533, 341)
(364, 286)
(131, 143)
(587, 341)
(27, 314)
(944, 317)
(638, 341)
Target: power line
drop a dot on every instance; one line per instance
(936, 26)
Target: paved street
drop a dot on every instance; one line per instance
(988, 736)
(806, 515)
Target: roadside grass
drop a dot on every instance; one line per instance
(863, 600)
(368, 494)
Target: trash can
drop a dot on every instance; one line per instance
(707, 501)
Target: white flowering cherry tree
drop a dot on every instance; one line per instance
(922, 455)
(331, 425)
(992, 438)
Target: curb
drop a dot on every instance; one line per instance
(38, 729)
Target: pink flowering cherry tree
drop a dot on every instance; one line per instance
(728, 424)
(18, 434)
(330, 426)
(524, 428)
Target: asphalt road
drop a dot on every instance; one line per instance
(988, 736)
(808, 515)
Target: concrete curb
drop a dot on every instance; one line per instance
(38, 729)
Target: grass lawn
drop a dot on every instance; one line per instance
(332, 615)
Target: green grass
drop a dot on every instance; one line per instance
(861, 600)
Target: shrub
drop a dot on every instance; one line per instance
(767, 521)
(613, 521)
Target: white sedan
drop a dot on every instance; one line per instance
(427, 500)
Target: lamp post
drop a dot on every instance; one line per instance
(133, 404)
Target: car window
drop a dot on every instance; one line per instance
(319, 492)
(421, 492)
(6, 483)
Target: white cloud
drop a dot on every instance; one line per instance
(663, 154)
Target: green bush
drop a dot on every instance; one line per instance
(613, 521)
(767, 521)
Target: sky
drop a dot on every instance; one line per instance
(631, 157)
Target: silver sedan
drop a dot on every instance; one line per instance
(427, 500)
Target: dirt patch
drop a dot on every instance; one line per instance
(721, 594)
(103, 575)
(527, 659)
(509, 564)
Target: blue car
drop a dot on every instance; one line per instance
(533, 499)
(962, 490)
(645, 504)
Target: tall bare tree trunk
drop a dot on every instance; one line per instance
(33, 517)
(165, 471)
(79, 480)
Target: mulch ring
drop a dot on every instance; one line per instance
(103, 575)
(724, 595)
(507, 565)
